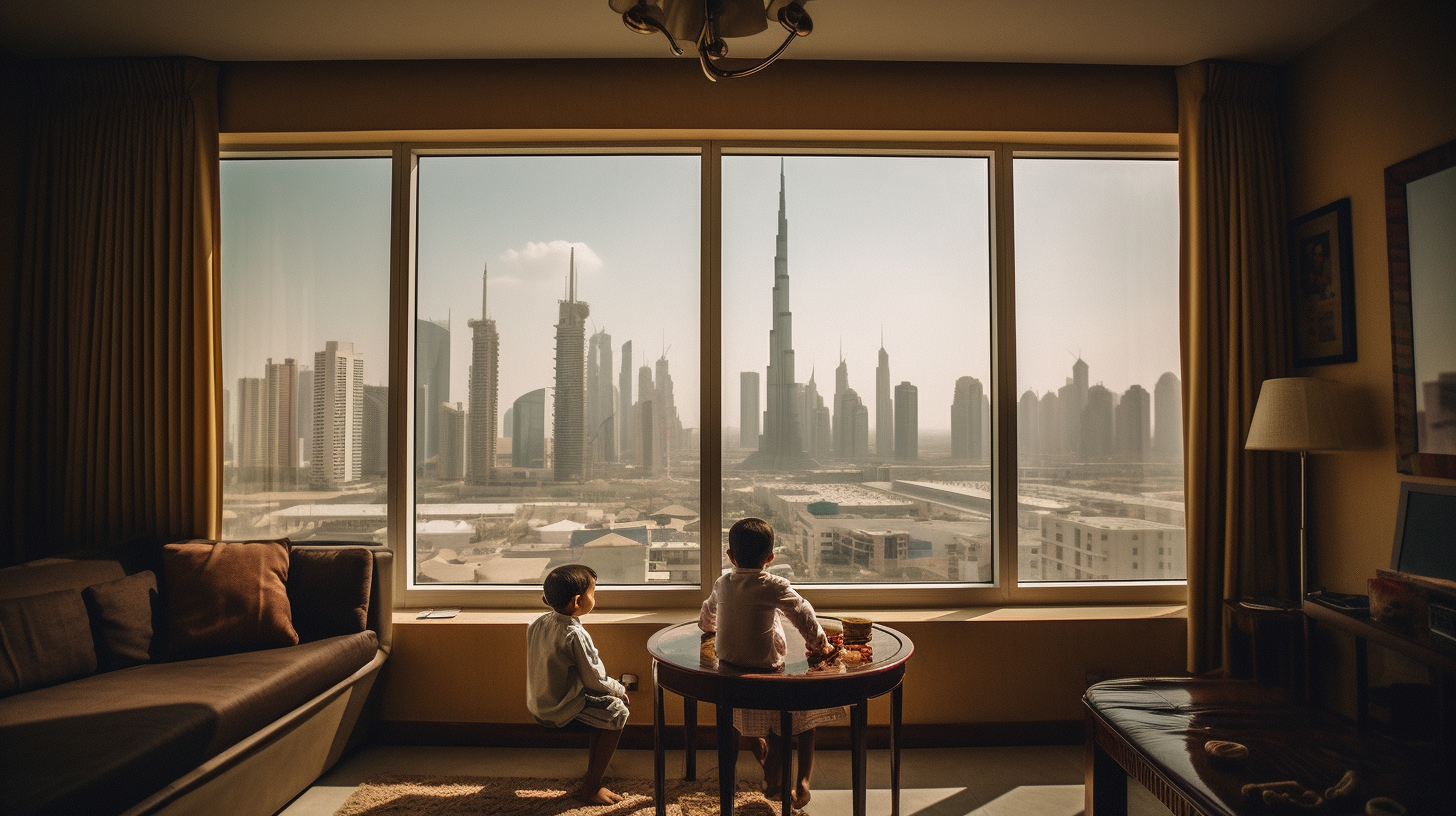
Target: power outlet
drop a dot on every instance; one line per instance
(629, 681)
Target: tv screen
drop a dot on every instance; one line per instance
(1425, 531)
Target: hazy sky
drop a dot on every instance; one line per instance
(897, 245)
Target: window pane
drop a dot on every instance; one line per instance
(558, 423)
(305, 297)
(877, 468)
(1099, 429)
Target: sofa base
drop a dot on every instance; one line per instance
(262, 774)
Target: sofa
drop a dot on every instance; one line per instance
(203, 677)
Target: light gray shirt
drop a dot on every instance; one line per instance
(747, 608)
(562, 668)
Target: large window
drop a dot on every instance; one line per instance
(615, 352)
(856, 364)
(1099, 444)
(556, 368)
(305, 295)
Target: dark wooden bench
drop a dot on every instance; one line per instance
(1154, 730)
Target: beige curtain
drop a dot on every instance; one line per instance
(115, 409)
(1236, 334)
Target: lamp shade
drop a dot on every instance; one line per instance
(1298, 414)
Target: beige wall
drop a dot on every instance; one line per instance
(1377, 91)
(969, 666)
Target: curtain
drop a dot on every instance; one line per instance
(1236, 333)
(115, 411)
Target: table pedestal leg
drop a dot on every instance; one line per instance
(858, 720)
(690, 737)
(786, 761)
(659, 763)
(727, 760)
(897, 707)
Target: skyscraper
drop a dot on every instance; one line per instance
(1134, 417)
(781, 445)
(268, 425)
(528, 430)
(748, 410)
(452, 442)
(625, 431)
(601, 409)
(645, 420)
(1168, 419)
(1071, 399)
(884, 408)
(376, 430)
(965, 420)
(484, 393)
(1098, 425)
(569, 430)
(907, 422)
(338, 415)
(666, 438)
(432, 387)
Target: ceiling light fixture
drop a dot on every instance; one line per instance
(709, 22)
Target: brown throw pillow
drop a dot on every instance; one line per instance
(227, 596)
(329, 591)
(44, 640)
(122, 612)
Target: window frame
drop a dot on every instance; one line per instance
(1004, 589)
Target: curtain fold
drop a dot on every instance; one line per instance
(1236, 333)
(116, 399)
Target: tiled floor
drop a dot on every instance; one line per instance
(1019, 781)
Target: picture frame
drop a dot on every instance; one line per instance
(1322, 286)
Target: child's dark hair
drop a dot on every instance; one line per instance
(751, 541)
(566, 582)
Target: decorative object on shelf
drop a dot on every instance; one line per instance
(1393, 603)
(709, 23)
(1421, 291)
(1223, 749)
(1300, 415)
(1323, 290)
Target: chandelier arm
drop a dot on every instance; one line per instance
(715, 73)
(641, 22)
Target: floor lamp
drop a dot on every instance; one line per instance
(1299, 415)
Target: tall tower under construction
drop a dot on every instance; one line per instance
(569, 431)
(484, 394)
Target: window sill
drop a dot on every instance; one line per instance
(888, 616)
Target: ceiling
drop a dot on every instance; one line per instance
(1132, 32)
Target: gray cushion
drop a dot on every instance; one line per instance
(44, 639)
(122, 612)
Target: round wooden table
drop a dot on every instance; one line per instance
(684, 663)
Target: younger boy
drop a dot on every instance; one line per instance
(566, 684)
(746, 610)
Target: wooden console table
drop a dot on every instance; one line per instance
(1365, 630)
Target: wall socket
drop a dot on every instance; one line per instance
(629, 681)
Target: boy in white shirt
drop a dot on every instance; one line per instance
(566, 684)
(746, 611)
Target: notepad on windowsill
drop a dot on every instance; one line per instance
(437, 613)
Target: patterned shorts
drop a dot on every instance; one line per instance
(606, 713)
(752, 722)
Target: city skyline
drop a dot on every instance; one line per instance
(936, 390)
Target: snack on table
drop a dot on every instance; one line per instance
(857, 630)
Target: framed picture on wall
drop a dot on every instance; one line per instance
(1323, 286)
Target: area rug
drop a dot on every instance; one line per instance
(398, 795)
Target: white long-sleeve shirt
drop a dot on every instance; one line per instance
(562, 668)
(746, 609)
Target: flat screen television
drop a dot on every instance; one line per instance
(1425, 531)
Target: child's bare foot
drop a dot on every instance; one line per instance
(600, 796)
(802, 794)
